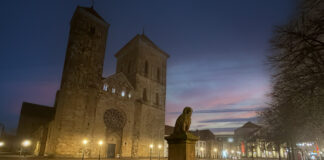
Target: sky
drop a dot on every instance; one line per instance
(217, 50)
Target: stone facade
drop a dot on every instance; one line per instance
(125, 110)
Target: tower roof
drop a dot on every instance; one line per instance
(92, 12)
(137, 40)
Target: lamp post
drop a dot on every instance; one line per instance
(1, 144)
(201, 151)
(215, 152)
(25, 144)
(151, 148)
(160, 146)
(100, 144)
(84, 142)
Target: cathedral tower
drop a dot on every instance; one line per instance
(82, 74)
(144, 65)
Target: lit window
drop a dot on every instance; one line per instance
(129, 95)
(113, 90)
(123, 93)
(105, 87)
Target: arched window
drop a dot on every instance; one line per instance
(144, 94)
(129, 68)
(123, 93)
(158, 74)
(146, 68)
(157, 98)
(113, 90)
(129, 95)
(92, 30)
(105, 87)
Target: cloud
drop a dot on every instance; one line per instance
(222, 129)
(223, 110)
(229, 120)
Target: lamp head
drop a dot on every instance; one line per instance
(85, 142)
(26, 143)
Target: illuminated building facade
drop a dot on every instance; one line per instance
(124, 111)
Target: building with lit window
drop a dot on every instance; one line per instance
(126, 110)
(204, 147)
(251, 144)
(226, 147)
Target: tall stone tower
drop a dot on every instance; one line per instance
(144, 65)
(82, 74)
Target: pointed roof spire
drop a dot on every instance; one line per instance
(143, 31)
(92, 3)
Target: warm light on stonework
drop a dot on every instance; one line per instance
(85, 142)
(215, 150)
(26, 143)
(2, 144)
(100, 143)
(151, 146)
(160, 146)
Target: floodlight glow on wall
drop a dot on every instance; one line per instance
(26, 143)
(85, 142)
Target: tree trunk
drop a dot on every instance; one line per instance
(292, 150)
(278, 150)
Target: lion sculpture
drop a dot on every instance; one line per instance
(183, 122)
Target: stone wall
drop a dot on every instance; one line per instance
(77, 98)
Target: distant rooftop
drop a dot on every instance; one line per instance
(37, 110)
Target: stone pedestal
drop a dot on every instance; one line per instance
(181, 146)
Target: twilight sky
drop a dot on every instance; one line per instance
(217, 47)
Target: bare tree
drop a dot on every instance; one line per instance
(297, 98)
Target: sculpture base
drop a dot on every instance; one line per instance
(181, 146)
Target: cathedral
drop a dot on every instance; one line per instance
(125, 111)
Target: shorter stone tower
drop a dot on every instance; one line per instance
(144, 65)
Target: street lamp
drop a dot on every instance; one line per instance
(84, 142)
(2, 144)
(160, 147)
(100, 144)
(215, 150)
(25, 144)
(202, 149)
(151, 148)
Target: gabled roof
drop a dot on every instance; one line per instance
(137, 40)
(250, 125)
(205, 134)
(37, 110)
(92, 12)
(119, 79)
